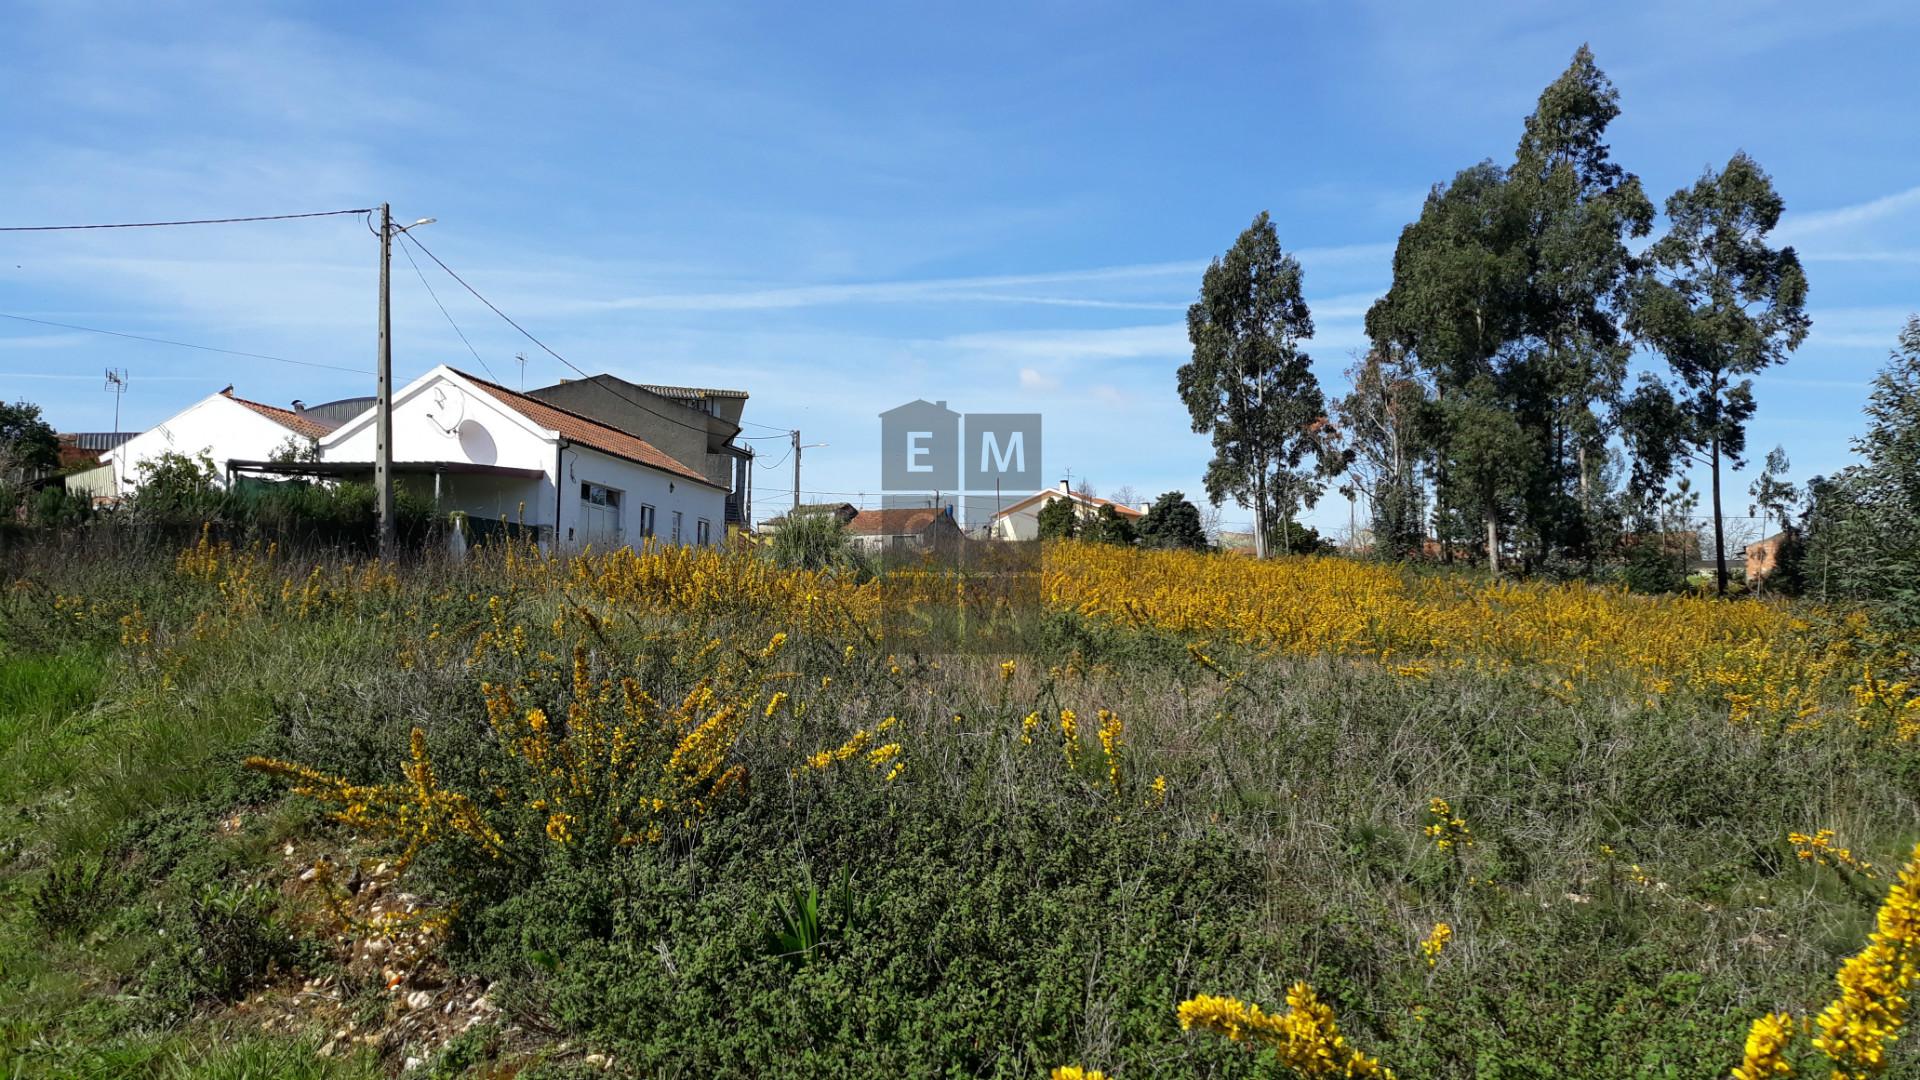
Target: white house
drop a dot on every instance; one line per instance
(499, 454)
(1021, 521)
(222, 426)
(900, 528)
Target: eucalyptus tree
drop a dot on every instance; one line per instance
(1579, 209)
(1720, 305)
(1457, 307)
(1380, 420)
(1773, 495)
(1250, 384)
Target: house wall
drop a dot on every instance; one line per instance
(440, 419)
(1024, 523)
(638, 485)
(217, 424)
(683, 433)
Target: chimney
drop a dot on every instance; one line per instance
(1064, 487)
(299, 406)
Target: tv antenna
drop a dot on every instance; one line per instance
(522, 359)
(116, 385)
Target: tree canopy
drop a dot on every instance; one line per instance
(1250, 384)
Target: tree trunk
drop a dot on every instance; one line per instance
(1490, 514)
(1260, 511)
(1719, 539)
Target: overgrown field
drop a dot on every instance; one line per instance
(681, 814)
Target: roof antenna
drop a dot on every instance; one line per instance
(522, 358)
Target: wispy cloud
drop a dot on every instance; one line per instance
(932, 290)
(1798, 228)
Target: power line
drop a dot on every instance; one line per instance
(428, 252)
(443, 309)
(524, 332)
(777, 464)
(197, 221)
(184, 344)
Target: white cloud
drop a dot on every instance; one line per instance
(1032, 379)
(1796, 228)
(1116, 343)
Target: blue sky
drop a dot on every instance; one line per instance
(841, 208)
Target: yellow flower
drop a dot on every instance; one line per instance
(1856, 1027)
(1445, 828)
(1767, 1043)
(1436, 942)
(1075, 1072)
(1006, 673)
(1305, 1038)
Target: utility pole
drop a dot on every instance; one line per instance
(796, 475)
(383, 406)
(383, 403)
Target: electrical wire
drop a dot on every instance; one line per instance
(197, 221)
(777, 464)
(183, 344)
(524, 332)
(443, 308)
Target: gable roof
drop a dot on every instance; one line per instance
(894, 522)
(286, 418)
(586, 432)
(695, 392)
(1094, 502)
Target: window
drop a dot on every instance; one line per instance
(703, 532)
(646, 521)
(676, 526)
(599, 495)
(600, 515)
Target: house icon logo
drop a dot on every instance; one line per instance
(920, 447)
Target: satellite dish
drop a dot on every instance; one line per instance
(449, 410)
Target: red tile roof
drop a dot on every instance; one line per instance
(1093, 501)
(896, 522)
(286, 418)
(589, 433)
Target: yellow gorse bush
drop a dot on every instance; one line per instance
(418, 811)
(1758, 659)
(1767, 1043)
(1435, 942)
(1445, 828)
(1305, 1038)
(1820, 848)
(1856, 1028)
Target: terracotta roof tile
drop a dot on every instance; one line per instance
(286, 418)
(588, 433)
(895, 522)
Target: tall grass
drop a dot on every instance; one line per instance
(1255, 816)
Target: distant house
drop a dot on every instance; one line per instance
(87, 447)
(844, 512)
(1021, 521)
(696, 425)
(1763, 556)
(223, 427)
(917, 529)
(474, 445)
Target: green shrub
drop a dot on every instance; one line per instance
(73, 895)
